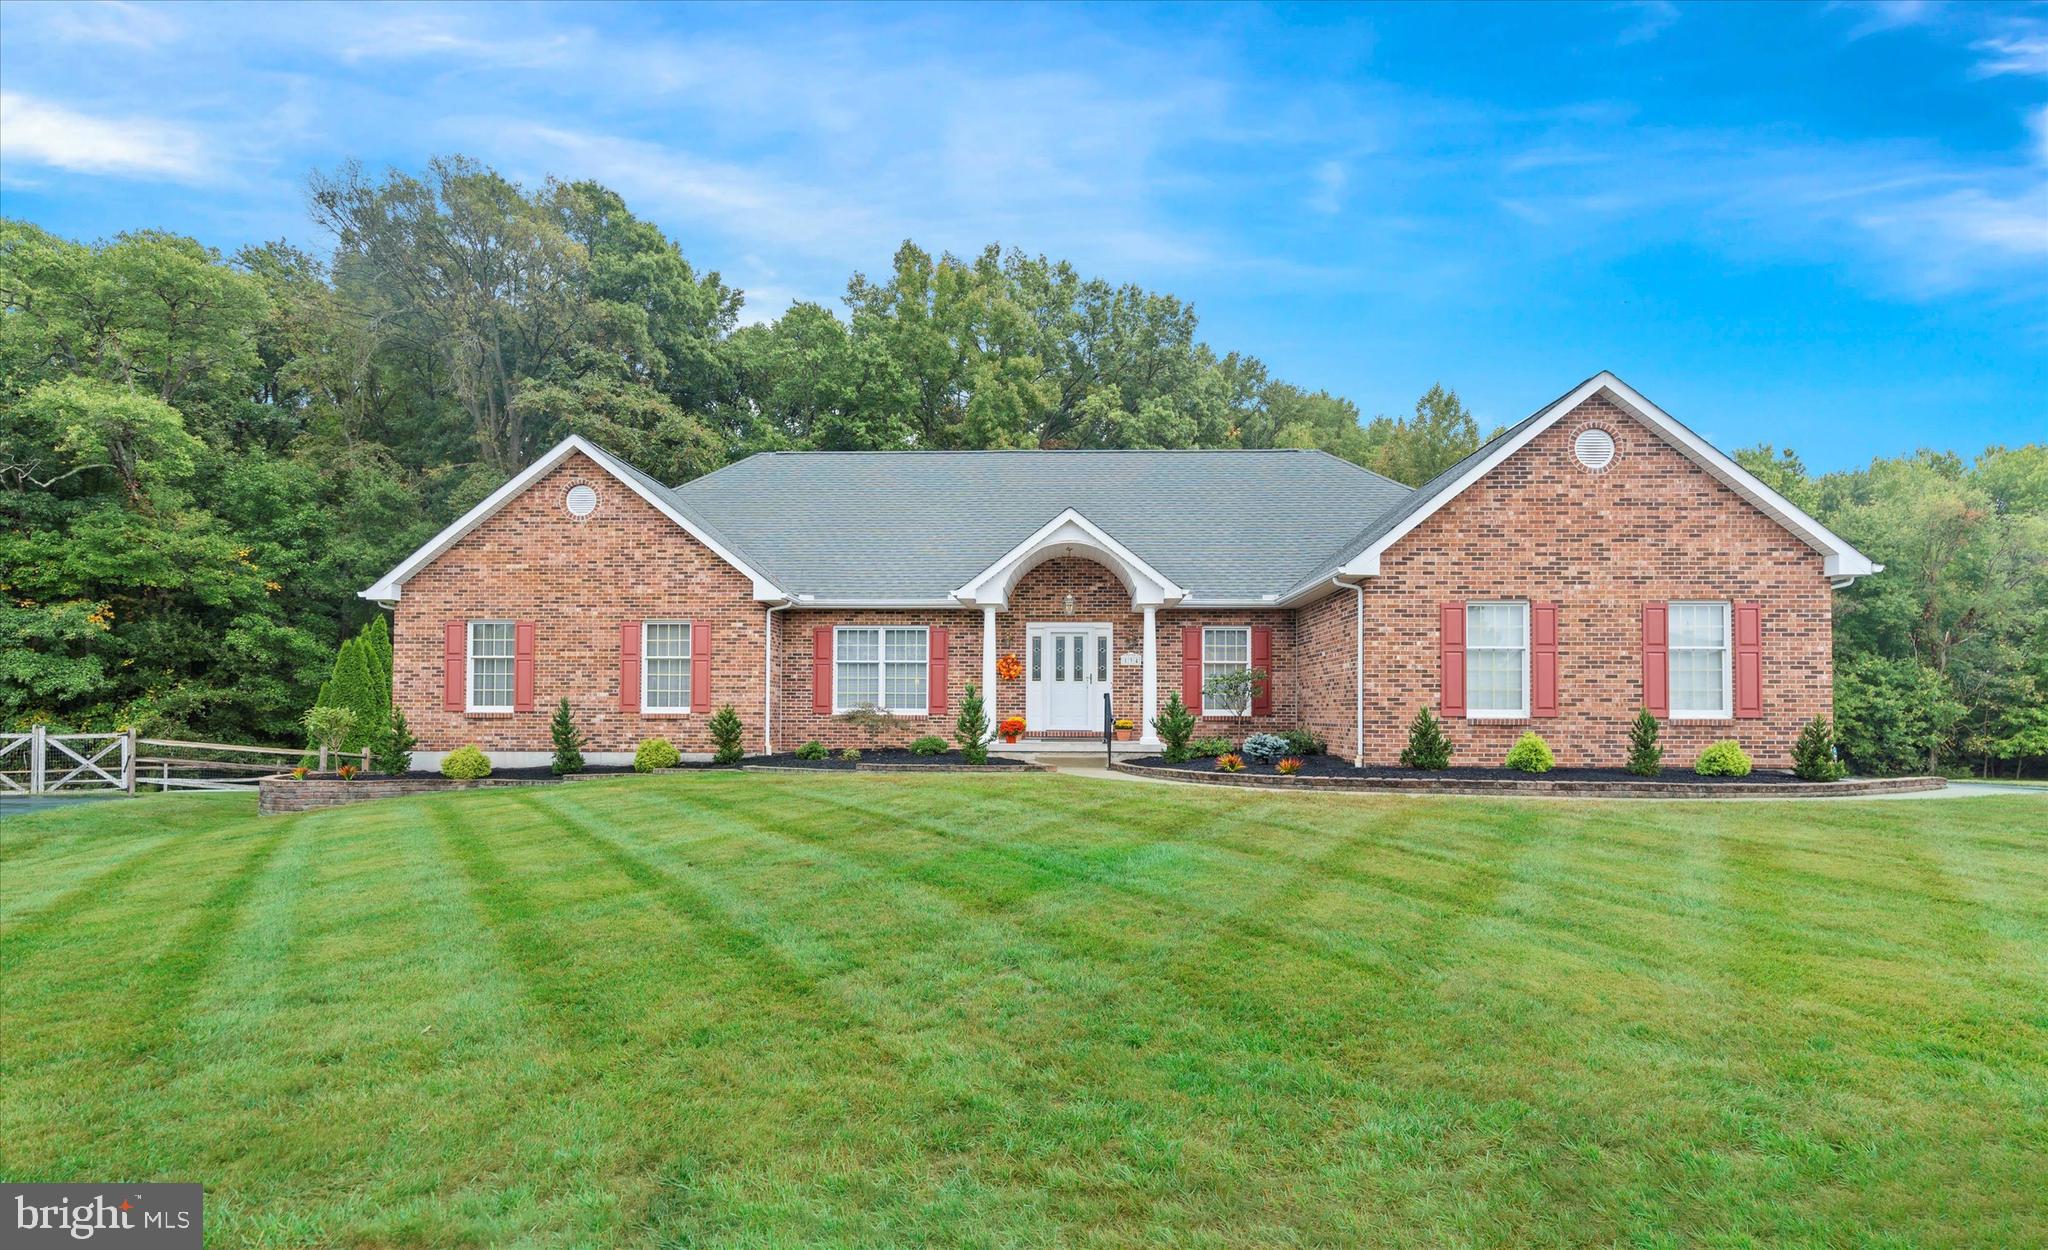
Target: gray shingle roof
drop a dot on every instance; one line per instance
(920, 524)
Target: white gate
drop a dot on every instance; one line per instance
(89, 766)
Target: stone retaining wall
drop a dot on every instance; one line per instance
(277, 795)
(1536, 786)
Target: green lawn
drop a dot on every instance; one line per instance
(775, 1011)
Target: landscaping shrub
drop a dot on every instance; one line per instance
(1723, 759)
(1645, 757)
(725, 736)
(928, 746)
(347, 771)
(1813, 756)
(1175, 725)
(1530, 754)
(655, 753)
(1235, 690)
(1208, 748)
(1265, 748)
(1427, 747)
(812, 750)
(466, 763)
(970, 728)
(1229, 762)
(1305, 742)
(568, 741)
(392, 753)
(851, 755)
(328, 725)
(871, 720)
(1288, 767)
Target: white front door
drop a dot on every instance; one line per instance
(1067, 671)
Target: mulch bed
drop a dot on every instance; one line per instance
(890, 759)
(539, 772)
(1337, 766)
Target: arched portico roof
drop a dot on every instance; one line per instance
(1070, 533)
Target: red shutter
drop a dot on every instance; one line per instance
(1451, 652)
(629, 666)
(1191, 667)
(1262, 658)
(1657, 659)
(454, 656)
(821, 670)
(935, 671)
(522, 666)
(700, 666)
(1543, 659)
(1749, 660)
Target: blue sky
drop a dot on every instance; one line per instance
(1825, 226)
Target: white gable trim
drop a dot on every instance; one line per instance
(389, 587)
(1061, 536)
(1842, 560)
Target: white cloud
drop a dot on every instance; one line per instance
(1328, 195)
(132, 146)
(2020, 48)
(1652, 18)
(110, 22)
(450, 34)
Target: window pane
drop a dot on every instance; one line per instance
(1698, 625)
(858, 683)
(490, 664)
(1227, 647)
(1698, 681)
(905, 686)
(860, 645)
(668, 640)
(1059, 658)
(1494, 624)
(1493, 679)
(1037, 669)
(1102, 657)
(905, 646)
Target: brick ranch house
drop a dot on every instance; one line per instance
(1595, 558)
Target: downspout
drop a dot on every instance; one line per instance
(1358, 671)
(768, 677)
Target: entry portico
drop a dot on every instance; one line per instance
(1052, 679)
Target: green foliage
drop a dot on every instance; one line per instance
(391, 751)
(1813, 755)
(726, 733)
(568, 740)
(1305, 742)
(1175, 724)
(1645, 757)
(1427, 747)
(1723, 759)
(1530, 754)
(928, 746)
(1265, 748)
(1234, 690)
(328, 726)
(1208, 748)
(361, 682)
(812, 750)
(655, 753)
(1893, 716)
(869, 719)
(466, 763)
(851, 755)
(971, 728)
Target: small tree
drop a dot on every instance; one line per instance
(971, 729)
(1234, 690)
(1175, 725)
(871, 720)
(327, 726)
(568, 740)
(1813, 756)
(726, 732)
(1645, 757)
(1427, 748)
(392, 752)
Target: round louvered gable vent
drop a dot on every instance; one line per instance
(1594, 448)
(582, 501)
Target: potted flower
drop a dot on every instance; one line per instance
(1126, 729)
(1009, 668)
(1012, 728)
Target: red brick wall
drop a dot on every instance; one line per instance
(795, 720)
(1325, 656)
(1653, 526)
(576, 580)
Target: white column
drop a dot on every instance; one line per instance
(988, 661)
(1147, 735)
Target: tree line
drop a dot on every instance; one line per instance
(203, 456)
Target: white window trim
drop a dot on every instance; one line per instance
(469, 657)
(690, 659)
(1727, 708)
(1472, 713)
(881, 668)
(1225, 713)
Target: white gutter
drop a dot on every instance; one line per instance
(1358, 672)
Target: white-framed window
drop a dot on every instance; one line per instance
(1699, 670)
(665, 667)
(491, 663)
(1225, 649)
(881, 666)
(1496, 660)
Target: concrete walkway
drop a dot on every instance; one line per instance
(1092, 766)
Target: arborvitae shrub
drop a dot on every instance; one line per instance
(1645, 757)
(1427, 747)
(726, 733)
(568, 740)
(1813, 756)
